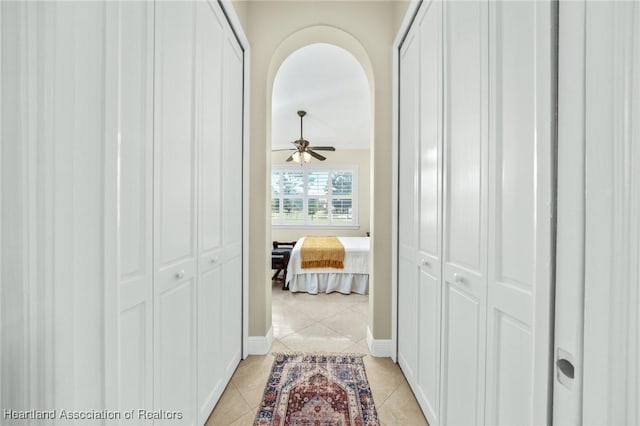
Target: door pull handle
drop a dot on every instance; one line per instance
(458, 278)
(565, 368)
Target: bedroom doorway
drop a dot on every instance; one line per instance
(325, 193)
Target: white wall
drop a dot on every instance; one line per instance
(345, 157)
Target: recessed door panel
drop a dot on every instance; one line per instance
(463, 372)
(407, 319)
(209, 54)
(466, 127)
(175, 353)
(231, 324)
(134, 377)
(136, 131)
(407, 186)
(174, 135)
(210, 345)
(428, 313)
(512, 346)
(514, 37)
(232, 143)
(429, 166)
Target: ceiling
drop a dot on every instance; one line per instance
(330, 84)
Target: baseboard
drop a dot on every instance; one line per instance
(379, 347)
(260, 345)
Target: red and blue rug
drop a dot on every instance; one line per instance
(317, 390)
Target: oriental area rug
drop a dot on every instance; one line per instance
(317, 389)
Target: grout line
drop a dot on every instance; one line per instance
(388, 396)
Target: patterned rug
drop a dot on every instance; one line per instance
(317, 390)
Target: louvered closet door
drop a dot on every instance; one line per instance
(407, 208)
(429, 206)
(520, 212)
(465, 213)
(175, 210)
(209, 86)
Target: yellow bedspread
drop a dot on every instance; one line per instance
(322, 252)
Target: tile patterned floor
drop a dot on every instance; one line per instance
(325, 322)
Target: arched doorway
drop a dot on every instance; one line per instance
(339, 100)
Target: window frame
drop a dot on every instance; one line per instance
(307, 169)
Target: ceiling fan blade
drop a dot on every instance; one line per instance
(316, 155)
(290, 157)
(283, 149)
(323, 148)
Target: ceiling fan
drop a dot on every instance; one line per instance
(304, 152)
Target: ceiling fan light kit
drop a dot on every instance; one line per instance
(304, 152)
(301, 158)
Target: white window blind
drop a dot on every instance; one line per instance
(314, 196)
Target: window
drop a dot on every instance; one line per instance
(310, 196)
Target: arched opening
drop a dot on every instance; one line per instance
(327, 73)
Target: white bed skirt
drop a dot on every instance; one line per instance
(329, 282)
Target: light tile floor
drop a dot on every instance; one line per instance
(325, 322)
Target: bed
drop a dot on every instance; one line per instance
(354, 277)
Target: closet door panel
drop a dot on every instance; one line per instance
(210, 311)
(429, 286)
(209, 89)
(232, 143)
(407, 209)
(210, 51)
(430, 131)
(465, 93)
(464, 215)
(232, 204)
(428, 301)
(231, 324)
(135, 238)
(462, 370)
(520, 212)
(407, 318)
(175, 360)
(232, 147)
(175, 208)
(135, 359)
(174, 131)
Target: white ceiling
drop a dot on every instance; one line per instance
(330, 84)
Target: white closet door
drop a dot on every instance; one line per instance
(232, 204)
(465, 213)
(175, 210)
(135, 238)
(407, 214)
(611, 371)
(429, 245)
(210, 39)
(520, 212)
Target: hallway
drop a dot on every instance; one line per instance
(325, 322)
